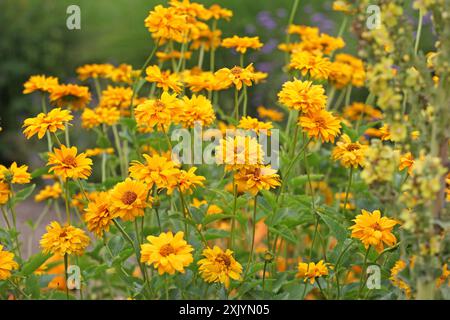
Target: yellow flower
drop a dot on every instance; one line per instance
(116, 97)
(303, 96)
(257, 179)
(123, 73)
(90, 119)
(50, 122)
(351, 154)
(214, 209)
(98, 216)
(199, 80)
(236, 76)
(249, 123)
(40, 83)
(312, 270)
(357, 71)
(385, 133)
(129, 199)
(241, 44)
(71, 96)
(186, 181)
(166, 56)
(157, 170)
(340, 197)
(406, 161)
(217, 12)
(109, 116)
(317, 66)
(49, 192)
(167, 24)
(360, 111)
(219, 266)
(94, 71)
(168, 253)
(239, 152)
(374, 230)
(442, 278)
(163, 79)
(342, 6)
(161, 112)
(15, 174)
(396, 281)
(207, 39)
(64, 240)
(7, 264)
(321, 124)
(197, 109)
(65, 163)
(5, 193)
(271, 114)
(98, 151)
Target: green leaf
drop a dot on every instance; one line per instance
(338, 230)
(303, 179)
(214, 217)
(285, 233)
(24, 193)
(212, 234)
(39, 172)
(129, 123)
(33, 263)
(350, 132)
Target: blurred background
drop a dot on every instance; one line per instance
(34, 39)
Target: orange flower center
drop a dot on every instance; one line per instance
(223, 258)
(236, 71)
(377, 227)
(353, 147)
(166, 250)
(320, 122)
(159, 104)
(129, 197)
(70, 161)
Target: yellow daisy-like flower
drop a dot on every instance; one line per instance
(168, 253)
(166, 56)
(7, 263)
(15, 174)
(385, 133)
(40, 83)
(186, 181)
(163, 79)
(158, 112)
(116, 97)
(49, 192)
(207, 39)
(303, 96)
(239, 152)
(358, 74)
(374, 230)
(71, 96)
(257, 179)
(236, 76)
(197, 109)
(90, 119)
(98, 216)
(241, 44)
(340, 74)
(167, 24)
(358, 110)
(271, 114)
(129, 199)
(219, 266)
(321, 124)
(50, 122)
(253, 124)
(65, 163)
(98, 151)
(198, 81)
(5, 193)
(64, 240)
(94, 71)
(317, 66)
(123, 73)
(217, 12)
(312, 270)
(351, 154)
(406, 161)
(156, 170)
(109, 116)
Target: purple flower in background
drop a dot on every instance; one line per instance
(323, 22)
(281, 12)
(427, 18)
(270, 46)
(265, 67)
(265, 19)
(250, 29)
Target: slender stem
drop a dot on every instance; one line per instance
(66, 200)
(98, 89)
(350, 178)
(244, 111)
(264, 278)
(66, 135)
(363, 275)
(119, 150)
(250, 257)
(213, 50)
(291, 20)
(5, 216)
(316, 226)
(419, 32)
(201, 56)
(236, 105)
(159, 220)
(233, 218)
(343, 26)
(321, 290)
(66, 276)
(18, 289)
(336, 269)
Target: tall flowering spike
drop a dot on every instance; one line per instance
(51, 122)
(129, 199)
(7, 264)
(64, 240)
(219, 266)
(374, 230)
(66, 163)
(168, 253)
(303, 96)
(351, 154)
(320, 125)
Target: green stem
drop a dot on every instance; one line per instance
(350, 179)
(363, 275)
(419, 33)
(236, 105)
(291, 20)
(233, 218)
(213, 50)
(250, 257)
(119, 150)
(66, 276)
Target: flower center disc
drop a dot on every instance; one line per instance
(129, 197)
(166, 250)
(70, 161)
